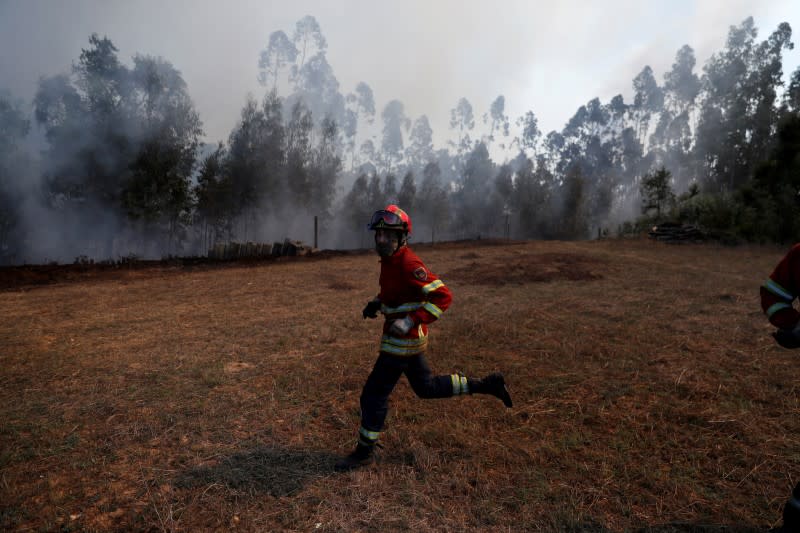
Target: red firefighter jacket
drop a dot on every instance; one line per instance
(780, 289)
(408, 288)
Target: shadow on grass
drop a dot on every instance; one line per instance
(275, 471)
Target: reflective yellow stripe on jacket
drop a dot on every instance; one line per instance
(774, 308)
(777, 290)
(432, 286)
(396, 346)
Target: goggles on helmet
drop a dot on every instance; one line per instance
(386, 219)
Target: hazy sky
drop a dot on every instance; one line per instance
(545, 56)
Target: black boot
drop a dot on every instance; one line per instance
(791, 512)
(493, 384)
(362, 456)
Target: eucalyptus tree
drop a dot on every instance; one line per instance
(14, 127)
(368, 154)
(407, 196)
(360, 106)
(214, 202)
(531, 204)
(390, 188)
(394, 123)
(673, 138)
(432, 204)
(530, 134)
(245, 163)
(497, 120)
(473, 214)
(298, 154)
(280, 54)
(574, 218)
(420, 144)
(308, 39)
(258, 159)
(120, 141)
(592, 145)
(763, 83)
(324, 170)
(776, 184)
(158, 191)
(89, 142)
(317, 87)
(375, 192)
(656, 192)
(462, 121)
(648, 100)
(738, 111)
(791, 98)
(357, 208)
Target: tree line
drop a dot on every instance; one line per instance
(123, 153)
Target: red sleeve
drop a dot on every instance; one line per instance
(434, 294)
(780, 289)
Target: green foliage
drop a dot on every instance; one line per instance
(214, 197)
(531, 199)
(656, 192)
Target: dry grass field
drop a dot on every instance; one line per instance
(648, 395)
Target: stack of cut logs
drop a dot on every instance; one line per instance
(239, 250)
(673, 232)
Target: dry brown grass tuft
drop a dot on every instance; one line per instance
(648, 396)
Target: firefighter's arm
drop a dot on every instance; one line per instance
(779, 309)
(434, 294)
(779, 291)
(777, 294)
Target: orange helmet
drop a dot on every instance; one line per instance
(391, 218)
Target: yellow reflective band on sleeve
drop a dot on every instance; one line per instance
(777, 290)
(430, 287)
(777, 307)
(432, 309)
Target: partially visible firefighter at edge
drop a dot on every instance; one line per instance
(777, 295)
(411, 297)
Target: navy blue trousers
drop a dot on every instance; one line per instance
(384, 376)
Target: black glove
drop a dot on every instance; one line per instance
(787, 338)
(372, 308)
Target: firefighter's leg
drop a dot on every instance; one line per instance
(493, 384)
(374, 407)
(428, 386)
(424, 383)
